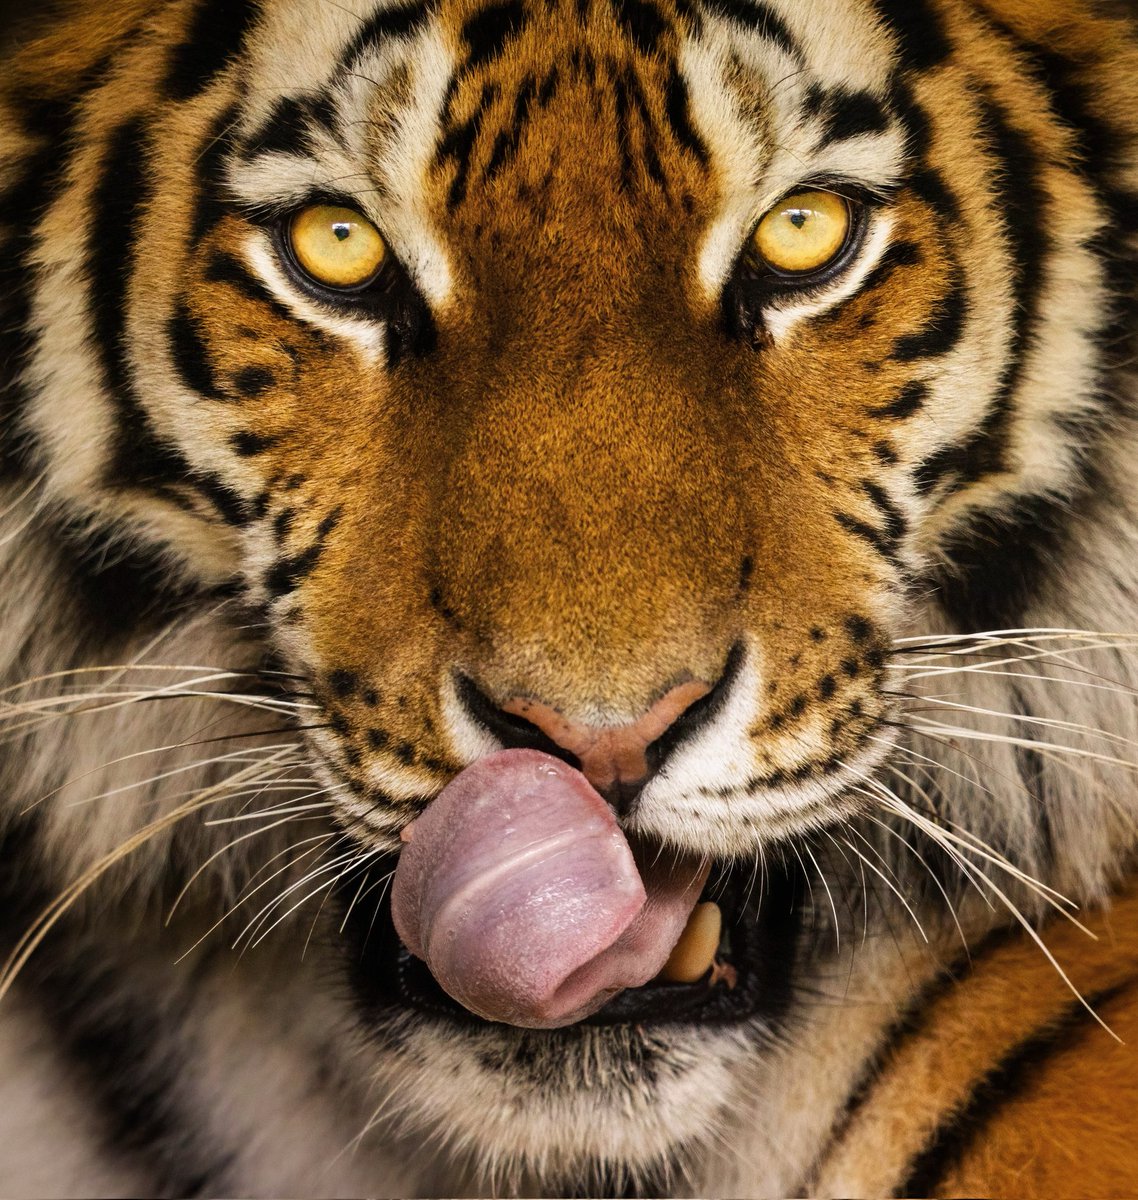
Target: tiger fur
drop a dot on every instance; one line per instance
(250, 533)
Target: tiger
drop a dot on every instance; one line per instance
(697, 436)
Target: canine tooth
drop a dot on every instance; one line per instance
(693, 954)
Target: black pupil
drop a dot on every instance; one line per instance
(798, 217)
(342, 231)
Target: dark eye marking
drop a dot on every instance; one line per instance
(910, 399)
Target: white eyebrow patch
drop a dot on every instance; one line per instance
(376, 149)
(400, 157)
(765, 125)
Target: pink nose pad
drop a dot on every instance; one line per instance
(617, 754)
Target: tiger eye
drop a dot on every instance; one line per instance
(803, 233)
(336, 246)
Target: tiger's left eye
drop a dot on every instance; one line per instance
(336, 246)
(803, 233)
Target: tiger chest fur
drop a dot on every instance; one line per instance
(604, 465)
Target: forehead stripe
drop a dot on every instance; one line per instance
(285, 130)
(919, 29)
(509, 137)
(679, 118)
(487, 32)
(404, 21)
(643, 22)
(760, 19)
(458, 145)
(217, 32)
(845, 113)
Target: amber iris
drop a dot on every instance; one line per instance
(803, 233)
(336, 246)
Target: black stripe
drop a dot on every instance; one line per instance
(910, 399)
(1021, 204)
(459, 144)
(643, 22)
(216, 35)
(951, 460)
(212, 188)
(944, 328)
(885, 545)
(34, 187)
(899, 254)
(895, 523)
(121, 1045)
(851, 114)
(761, 19)
(1012, 1077)
(288, 128)
(253, 381)
(385, 24)
(623, 134)
(994, 564)
(509, 138)
(117, 588)
(231, 508)
(648, 130)
(284, 130)
(922, 179)
(995, 571)
(548, 87)
(922, 39)
(1105, 151)
(118, 203)
(488, 31)
(288, 573)
(225, 268)
(1031, 769)
(21, 207)
(189, 354)
(910, 1023)
(676, 110)
(247, 444)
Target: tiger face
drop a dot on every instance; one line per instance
(615, 378)
(574, 460)
(579, 459)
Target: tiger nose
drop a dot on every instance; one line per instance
(618, 760)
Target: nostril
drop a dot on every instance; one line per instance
(698, 714)
(617, 760)
(513, 731)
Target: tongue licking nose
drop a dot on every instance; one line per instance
(519, 891)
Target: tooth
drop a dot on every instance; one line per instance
(693, 954)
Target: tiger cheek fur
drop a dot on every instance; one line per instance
(573, 455)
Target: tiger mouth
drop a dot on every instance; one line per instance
(749, 978)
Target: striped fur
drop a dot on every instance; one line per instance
(576, 449)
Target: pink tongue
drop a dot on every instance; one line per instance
(519, 891)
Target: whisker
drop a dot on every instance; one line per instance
(28, 942)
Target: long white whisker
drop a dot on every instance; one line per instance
(45, 922)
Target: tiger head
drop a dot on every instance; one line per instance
(616, 378)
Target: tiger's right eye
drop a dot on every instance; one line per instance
(804, 233)
(338, 247)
